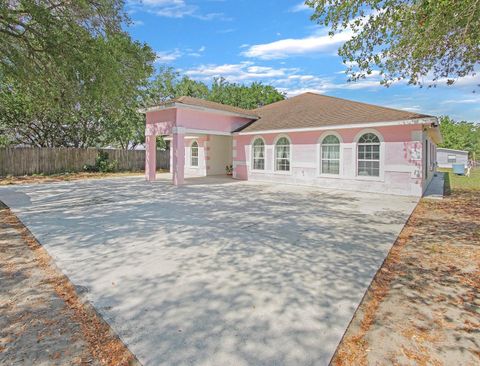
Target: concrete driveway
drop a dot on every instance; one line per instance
(224, 273)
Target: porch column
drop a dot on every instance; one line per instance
(150, 157)
(178, 155)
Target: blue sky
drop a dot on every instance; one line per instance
(275, 42)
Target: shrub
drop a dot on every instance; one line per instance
(102, 164)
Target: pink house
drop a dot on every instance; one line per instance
(309, 139)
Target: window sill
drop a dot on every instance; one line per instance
(261, 171)
(334, 176)
(282, 172)
(370, 178)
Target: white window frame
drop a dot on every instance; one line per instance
(449, 160)
(252, 155)
(320, 144)
(381, 176)
(284, 172)
(191, 154)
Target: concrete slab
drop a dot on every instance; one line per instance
(225, 273)
(435, 189)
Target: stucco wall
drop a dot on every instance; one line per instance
(219, 154)
(214, 154)
(400, 163)
(200, 120)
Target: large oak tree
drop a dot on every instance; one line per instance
(69, 74)
(422, 41)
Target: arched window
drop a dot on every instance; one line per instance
(258, 152)
(282, 154)
(330, 155)
(194, 154)
(368, 155)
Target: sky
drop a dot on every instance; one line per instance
(275, 42)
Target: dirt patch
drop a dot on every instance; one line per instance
(44, 321)
(423, 307)
(28, 179)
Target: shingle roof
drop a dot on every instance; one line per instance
(212, 105)
(314, 110)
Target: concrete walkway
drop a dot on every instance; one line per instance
(226, 273)
(435, 189)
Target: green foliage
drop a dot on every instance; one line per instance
(161, 143)
(460, 136)
(69, 76)
(243, 96)
(102, 164)
(406, 39)
(169, 84)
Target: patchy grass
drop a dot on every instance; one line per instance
(460, 182)
(62, 177)
(423, 306)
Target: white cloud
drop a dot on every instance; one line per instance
(168, 56)
(291, 80)
(297, 46)
(137, 23)
(173, 9)
(299, 7)
(467, 100)
(469, 80)
(241, 72)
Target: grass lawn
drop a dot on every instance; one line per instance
(423, 306)
(455, 182)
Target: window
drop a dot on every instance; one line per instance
(330, 155)
(282, 154)
(452, 158)
(194, 154)
(368, 155)
(258, 152)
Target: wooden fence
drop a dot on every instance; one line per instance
(28, 160)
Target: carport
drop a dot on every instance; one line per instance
(185, 120)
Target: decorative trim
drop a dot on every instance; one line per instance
(208, 132)
(407, 122)
(179, 130)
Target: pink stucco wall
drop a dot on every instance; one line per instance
(179, 122)
(401, 164)
(201, 120)
(165, 120)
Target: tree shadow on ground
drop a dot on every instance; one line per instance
(219, 273)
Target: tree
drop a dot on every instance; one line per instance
(405, 39)
(40, 35)
(169, 84)
(460, 135)
(243, 96)
(69, 75)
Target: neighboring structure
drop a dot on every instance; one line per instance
(309, 139)
(447, 157)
